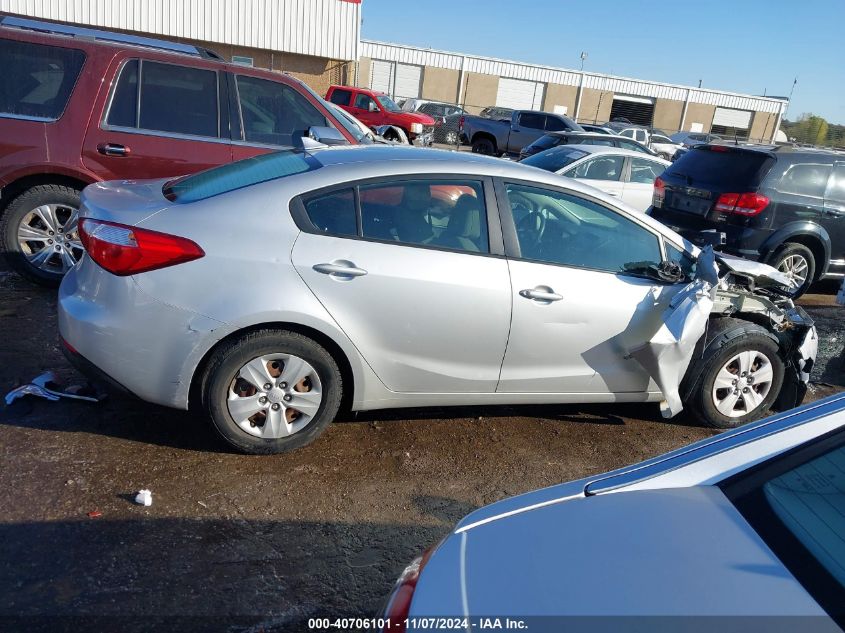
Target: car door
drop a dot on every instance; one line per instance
(361, 109)
(801, 188)
(576, 311)
(638, 187)
(269, 115)
(169, 123)
(527, 128)
(833, 219)
(602, 171)
(414, 282)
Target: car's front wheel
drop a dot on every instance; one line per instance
(738, 376)
(271, 391)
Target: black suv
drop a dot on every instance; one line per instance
(554, 139)
(778, 205)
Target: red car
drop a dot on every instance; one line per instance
(80, 105)
(377, 109)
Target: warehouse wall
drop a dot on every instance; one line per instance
(667, 114)
(440, 84)
(480, 91)
(556, 94)
(699, 113)
(364, 68)
(763, 126)
(595, 105)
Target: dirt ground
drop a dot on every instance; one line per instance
(262, 543)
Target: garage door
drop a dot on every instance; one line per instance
(381, 76)
(639, 110)
(731, 123)
(408, 81)
(520, 94)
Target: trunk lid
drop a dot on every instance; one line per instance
(124, 201)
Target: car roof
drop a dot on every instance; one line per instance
(604, 149)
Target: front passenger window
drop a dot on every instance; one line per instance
(274, 113)
(559, 228)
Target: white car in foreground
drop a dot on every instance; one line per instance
(622, 173)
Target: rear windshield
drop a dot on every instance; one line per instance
(547, 141)
(37, 80)
(728, 167)
(243, 173)
(555, 159)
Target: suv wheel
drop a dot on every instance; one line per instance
(798, 263)
(39, 232)
(740, 374)
(271, 391)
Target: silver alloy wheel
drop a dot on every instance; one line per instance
(796, 268)
(275, 395)
(451, 138)
(49, 238)
(742, 384)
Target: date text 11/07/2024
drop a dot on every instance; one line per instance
(419, 624)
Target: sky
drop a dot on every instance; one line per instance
(746, 46)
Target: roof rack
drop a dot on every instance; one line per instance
(105, 36)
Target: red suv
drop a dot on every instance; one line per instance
(80, 105)
(376, 109)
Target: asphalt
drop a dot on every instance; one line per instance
(235, 543)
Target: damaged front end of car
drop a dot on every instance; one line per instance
(726, 286)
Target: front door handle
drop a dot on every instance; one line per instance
(113, 149)
(541, 293)
(340, 268)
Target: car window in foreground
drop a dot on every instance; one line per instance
(555, 159)
(560, 228)
(238, 175)
(37, 80)
(796, 502)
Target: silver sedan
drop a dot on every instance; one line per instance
(272, 291)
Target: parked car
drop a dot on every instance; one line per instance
(691, 139)
(446, 118)
(745, 528)
(378, 109)
(496, 137)
(597, 129)
(377, 280)
(496, 112)
(554, 139)
(653, 138)
(63, 127)
(777, 205)
(620, 173)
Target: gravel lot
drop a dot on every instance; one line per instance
(261, 543)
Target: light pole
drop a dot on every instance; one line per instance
(583, 57)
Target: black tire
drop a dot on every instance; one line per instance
(665, 156)
(483, 145)
(228, 359)
(794, 249)
(726, 338)
(11, 220)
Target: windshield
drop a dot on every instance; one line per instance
(357, 129)
(555, 159)
(388, 104)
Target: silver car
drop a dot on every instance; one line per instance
(271, 291)
(741, 532)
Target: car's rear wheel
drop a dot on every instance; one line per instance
(271, 391)
(40, 233)
(798, 263)
(740, 373)
(483, 146)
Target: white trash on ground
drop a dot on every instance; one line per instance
(46, 386)
(144, 498)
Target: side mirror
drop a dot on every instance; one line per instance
(326, 135)
(372, 107)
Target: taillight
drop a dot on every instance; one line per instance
(399, 604)
(127, 250)
(461, 123)
(659, 193)
(742, 203)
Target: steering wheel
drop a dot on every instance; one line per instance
(531, 228)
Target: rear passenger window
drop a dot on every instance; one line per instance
(124, 104)
(341, 97)
(809, 179)
(37, 80)
(178, 99)
(333, 212)
(532, 120)
(445, 213)
(600, 168)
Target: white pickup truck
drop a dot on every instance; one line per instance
(660, 143)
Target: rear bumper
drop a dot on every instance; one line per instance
(90, 370)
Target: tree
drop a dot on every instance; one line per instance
(810, 128)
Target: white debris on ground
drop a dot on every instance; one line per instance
(144, 498)
(46, 386)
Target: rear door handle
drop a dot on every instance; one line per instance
(113, 149)
(538, 294)
(340, 269)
